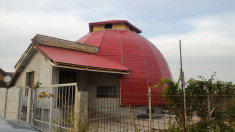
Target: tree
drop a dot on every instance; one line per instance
(211, 100)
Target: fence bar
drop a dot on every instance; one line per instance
(208, 107)
(29, 104)
(20, 103)
(183, 88)
(51, 110)
(150, 108)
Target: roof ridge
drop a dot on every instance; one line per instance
(61, 43)
(3, 71)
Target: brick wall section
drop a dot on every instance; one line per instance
(2, 101)
(12, 103)
(1, 76)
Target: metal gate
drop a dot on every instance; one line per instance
(23, 101)
(51, 108)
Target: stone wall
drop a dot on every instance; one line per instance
(12, 102)
(2, 101)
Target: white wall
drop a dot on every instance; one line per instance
(42, 71)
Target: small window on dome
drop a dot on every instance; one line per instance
(108, 26)
(131, 29)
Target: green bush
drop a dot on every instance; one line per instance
(211, 100)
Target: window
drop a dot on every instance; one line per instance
(108, 26)
(105, 91)
(131, 28)
(29, 81)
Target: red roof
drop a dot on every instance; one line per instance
(78, 58)
(146, 62)
(113, 21)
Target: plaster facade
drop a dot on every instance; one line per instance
(42, 71)
(119, 26)
(98, 28)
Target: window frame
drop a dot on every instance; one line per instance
(29, 82)
(107, 91)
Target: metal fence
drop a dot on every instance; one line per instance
(51, 107)
(23, 101)
(106, 114)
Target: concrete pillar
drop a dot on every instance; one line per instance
(81, 110)
(29, 104)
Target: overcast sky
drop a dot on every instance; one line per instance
(206, 28)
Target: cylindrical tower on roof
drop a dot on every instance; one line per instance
(119, 41)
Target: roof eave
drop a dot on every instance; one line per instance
(60, 43)
(89, 68)
(1, 70)
(82, 67)
(21, 64)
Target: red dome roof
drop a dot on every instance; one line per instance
(145, 61)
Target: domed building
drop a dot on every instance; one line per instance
(92, 79)
(119, 41)
(112, 61)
